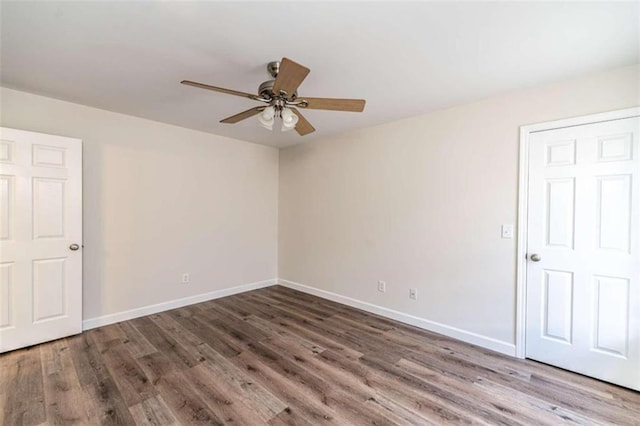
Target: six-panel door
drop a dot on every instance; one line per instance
(40, 218)
(583, 296)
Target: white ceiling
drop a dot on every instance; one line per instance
(403, 58)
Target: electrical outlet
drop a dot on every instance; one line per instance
(185, 278)
(413, 293)
(382, 286)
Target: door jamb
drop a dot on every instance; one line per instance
(523, 184)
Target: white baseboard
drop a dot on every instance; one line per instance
(172, 304)
(446, 330)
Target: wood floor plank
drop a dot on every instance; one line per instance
(25, 392)
(275, 356)
(66, 401)
(136, 343)
(294, 302)
(293, 309)
(87, 360)
(217, 339)
(224, 404)
(276, 330)
(222, 320)
(290, 418)
(240, 330)
(258, 309)
(242, 386)
(322, 339)
(55, 357)
(107, 336)
(198, 349)
(131, 380)
(185, 403)
(110, 408)
(302, 402)
(230, 306)
(7, 371)
(192, 310)
(396, 413)
(96, 381)
(153, 411)
(164, 343)
(156, 365)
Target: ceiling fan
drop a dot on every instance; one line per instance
(281, 97)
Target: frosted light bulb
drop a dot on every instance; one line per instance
(289, 119)
(268, 113)
(267, 117)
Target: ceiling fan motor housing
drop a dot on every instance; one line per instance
(266, 91)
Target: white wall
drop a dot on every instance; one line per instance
(419, 203)
(160, 200)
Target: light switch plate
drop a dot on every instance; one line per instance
(507, 231)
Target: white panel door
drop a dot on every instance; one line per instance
(583, 270)
(40, 238)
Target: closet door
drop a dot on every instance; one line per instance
(40, 238)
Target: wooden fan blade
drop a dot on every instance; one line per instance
(303, 127)
(218, 89)
(353, 105)
(290, 76)
(241, 116)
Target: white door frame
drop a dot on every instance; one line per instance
(523, 195)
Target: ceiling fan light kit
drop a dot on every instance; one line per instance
(281, 97)
(268, 116)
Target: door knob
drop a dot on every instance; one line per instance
(535, 257)
(74, 247)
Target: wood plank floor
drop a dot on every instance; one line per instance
(276, 356)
